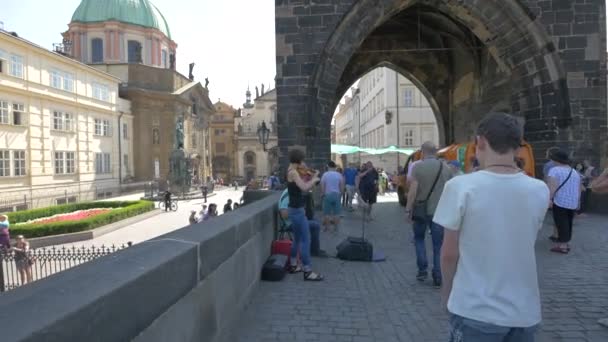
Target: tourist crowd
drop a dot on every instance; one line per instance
(483, 225)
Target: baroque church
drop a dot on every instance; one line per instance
(131, 40)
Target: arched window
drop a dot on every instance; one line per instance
(249, 158)
(155, 136)
(97, 50)
(135, 53)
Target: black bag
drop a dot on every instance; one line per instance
(419, 210)
(274, 268)
(355, 249)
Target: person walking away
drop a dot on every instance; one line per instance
(381, 182)
(296, 186)
(427, 182)
(368, 188)
(565, 186)
(315, 227)
(167, 199)
(350, 177)
(332, 186)
(23, 261)
(228, 206)
(5, 238)
(488, 258)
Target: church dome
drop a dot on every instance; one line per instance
(136, 12)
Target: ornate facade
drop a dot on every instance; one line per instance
(252, 162)
(223, 142)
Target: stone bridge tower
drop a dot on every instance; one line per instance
(544, 61)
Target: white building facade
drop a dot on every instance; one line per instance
(64, 132)
(252, 162)
(393, 111)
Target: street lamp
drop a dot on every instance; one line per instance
(358, 94)
(263, 135)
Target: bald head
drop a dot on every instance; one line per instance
(429, 148)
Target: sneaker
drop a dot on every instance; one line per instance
(422, 275)
(437, 283)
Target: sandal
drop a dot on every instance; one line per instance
(294, 269)
(560, 250)
(312, 276)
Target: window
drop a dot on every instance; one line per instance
(409, 98)
(19, 163)
(218, 132)
(220, 148)
(102, 128)
(155, 136)
(3, 64)
(125, 162)
(5, 163)
(60, 163)
(408, 134)
(194, 140)
(134, 51)
(62, 80)
(62, 121)
(18, 114)
(70, 162)
(97, 50)
(164, 58)
(125, 131)
(4, 112)
(16, 66)
(102, 163)
(101, 92)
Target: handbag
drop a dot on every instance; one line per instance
(419, 210)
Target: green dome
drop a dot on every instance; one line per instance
(136, 12)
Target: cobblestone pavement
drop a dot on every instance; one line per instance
(383, 302)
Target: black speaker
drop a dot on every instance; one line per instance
(355, 249)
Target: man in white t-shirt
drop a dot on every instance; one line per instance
(491, 219)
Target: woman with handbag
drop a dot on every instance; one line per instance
(565, 184)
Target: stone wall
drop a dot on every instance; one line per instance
(189, 285)
(540, 60)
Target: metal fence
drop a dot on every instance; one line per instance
(43, 262)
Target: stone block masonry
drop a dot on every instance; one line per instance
(543, 61)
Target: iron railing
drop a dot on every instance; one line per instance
(46, 261)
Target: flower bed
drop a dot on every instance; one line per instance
(72, 218)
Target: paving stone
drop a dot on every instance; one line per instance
(383, 302)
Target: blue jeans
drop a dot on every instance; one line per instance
(420, 229)
(301, 232)
(468, 330)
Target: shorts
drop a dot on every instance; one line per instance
(331, 204)
(369, 196)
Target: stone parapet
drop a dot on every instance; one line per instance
(188, 285)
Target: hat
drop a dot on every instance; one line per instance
(560, 156)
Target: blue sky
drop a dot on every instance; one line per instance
(231, 41)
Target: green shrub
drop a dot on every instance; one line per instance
(32, 230)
